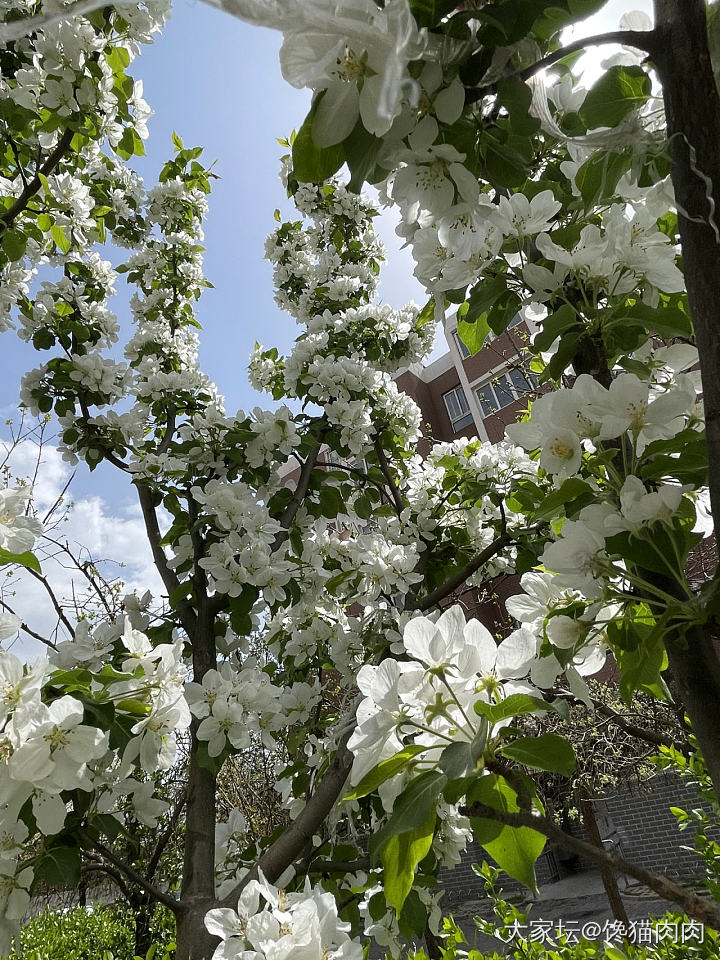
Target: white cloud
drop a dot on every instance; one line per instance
(92, 529)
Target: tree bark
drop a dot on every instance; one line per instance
(198, 882)
(692, 110)
(607, 875)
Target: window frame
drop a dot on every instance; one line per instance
(499, 389)
(464, 418)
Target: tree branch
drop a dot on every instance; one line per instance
(295, 502)
(137, 878)
(166, 835)
(26, 629)
(704, 911)
(641, 39)
(169, 579)
(385, 467)
(641, 733)
(34, 185)
(460, 576)
(56, 604)
(289, 844)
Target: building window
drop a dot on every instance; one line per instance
(457, 409)
(464, 352)
(504, 388)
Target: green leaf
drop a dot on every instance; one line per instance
(546, 752)
(14, 243)
(666, 321)
(62, 241)
(570, 490)
(107, 824)
(413, 918)
(505, 165)
(400, 857)
(313, 164)
(429, 13)
(598, 177)
(516, 705)
(58, 867)
(177, 142)
(383, 771)
(361, 151)
(411, 808)
(474, 333)
(515, 95)
(514, 849)
(484, 295)
(554, 325)
(616, 93)
(331, 502)
(25, 559)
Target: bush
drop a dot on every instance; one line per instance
(524, 949)
(87, 933)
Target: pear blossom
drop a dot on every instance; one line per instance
(287, 925)
(18, 531)
(523, 218)
(357, 54)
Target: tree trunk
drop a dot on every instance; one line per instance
(193, 940)
(198, 881)
(607, 875)
(692, 110)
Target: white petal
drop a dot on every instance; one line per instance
(336, 114)
(450, 103)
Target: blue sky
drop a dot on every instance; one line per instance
(216, 81)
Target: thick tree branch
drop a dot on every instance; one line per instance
(32, 187)
(169, 579)
(703, 910)
(292, 841)
(295, 502)
(458, 578)
(692, 111)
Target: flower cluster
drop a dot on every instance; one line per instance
(270, 924)
(430, 699)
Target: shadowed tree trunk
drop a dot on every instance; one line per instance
(692, 110)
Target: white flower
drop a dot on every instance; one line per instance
(17, 531)
(357, 54)
(9, 625)
(578, 555)
(523, 218)
(627, 406)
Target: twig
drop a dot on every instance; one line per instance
(166, 835)
(26, 629)
(641, 39)
(137, 878)
(56, 604)
(641, 733)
